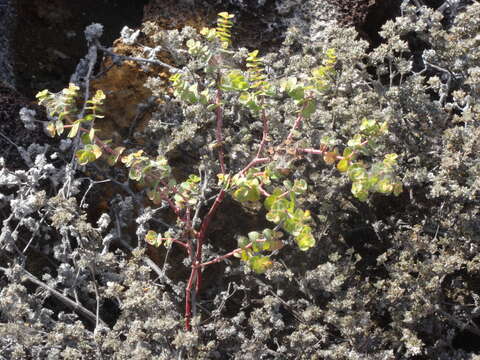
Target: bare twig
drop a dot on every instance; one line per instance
(77, 307)
(97, 296)
(117, 57)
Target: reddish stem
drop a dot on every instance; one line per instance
(188, 299)
(263, 191)
(312, 151)
(176, 241)
(264, 134)
(196, 274)
(296, 124)
(257, 160)
(175, 209)
(203, 231)
(253, 163)
(227, 255)
(96, 140)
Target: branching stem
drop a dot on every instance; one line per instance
(227, 255)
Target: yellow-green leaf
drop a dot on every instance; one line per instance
(151, 237)
(74, 129)
(96, 150)
(305, 240)
(342, 165)
(112, 159)
(330, 157)
(260, 264)
(51, 129)
(91, 134)
(384, 186)
(84, 157)
(226, 15)
(59, 127)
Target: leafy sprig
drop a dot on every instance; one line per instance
(265, 181)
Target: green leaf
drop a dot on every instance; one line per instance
(343, 165)
(371, 181)
(43, 94)
(288, 84)
(303, 215)
(253, 236)
(268, 234)
(84, 156)
(191, 94)
(269, 201)
(260, 264)
(390, 160)
(384, 186)
(356, 141)
(253, 194)
(113, 158)
(225, 15)
(62, 115)
(368, 125)
(274, 216)
(297, 93)
(347, 152)
(305, 239)
(154, 196)
(250, 101)
(281, 205)
(288, 184)
(245, 255)
(95, 149)
(194, 178)
(360, 191)
(74, 129)
(309, 108)
(356, 172)
(243, 241)
(241, 194)
(85, 139)
(136, 170)
(236, 81)
(293, 226)
(212, 107)
(91, 134)
(151, 238)
(252, 55)
(59, 127)
(299, 186)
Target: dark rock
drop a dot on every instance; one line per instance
(11, 127)
(7, 22)
(367, 16)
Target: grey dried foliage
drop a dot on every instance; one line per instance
(392, 278)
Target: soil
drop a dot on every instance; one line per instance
(49, 41)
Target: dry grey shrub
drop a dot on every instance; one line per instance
(389, 279)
